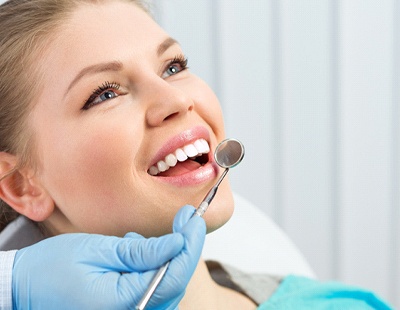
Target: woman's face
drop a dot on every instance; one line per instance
(117, 101)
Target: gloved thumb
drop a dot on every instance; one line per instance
(136, 253)
(182, 217)
(142, 254)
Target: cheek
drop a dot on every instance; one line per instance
(94, 150)
(208, 107)
(88, 166)
(103, 151)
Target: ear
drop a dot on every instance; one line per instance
(22, 191)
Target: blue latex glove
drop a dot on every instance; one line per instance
(85, 271)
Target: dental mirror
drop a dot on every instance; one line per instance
(228, 154)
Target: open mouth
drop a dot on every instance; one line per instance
(182, 160)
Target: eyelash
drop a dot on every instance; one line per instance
(98, 92)
(180, 60)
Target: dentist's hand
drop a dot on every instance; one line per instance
(179, 272)
(85, 271)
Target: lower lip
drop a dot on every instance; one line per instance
(203, 174)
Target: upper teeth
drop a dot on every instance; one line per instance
(191, 150)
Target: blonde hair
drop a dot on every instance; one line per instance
(25, 28)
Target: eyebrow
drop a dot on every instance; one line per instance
(116, 65)
(166, 44)
(97, 68)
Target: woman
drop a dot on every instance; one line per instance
(123, 102)
(108, 132)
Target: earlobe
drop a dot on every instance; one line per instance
(21, 190)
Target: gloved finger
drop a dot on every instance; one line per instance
(192, 228)
(184, 264)
(133, 235)
(182, 217)
(194, 232)
(132, 287)
(182, 267)
(134, 254)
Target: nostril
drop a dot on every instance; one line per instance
(171, 116)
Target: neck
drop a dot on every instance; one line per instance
(204, 293)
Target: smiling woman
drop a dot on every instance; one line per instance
(104, 98)
(116, 114)
(106, 131)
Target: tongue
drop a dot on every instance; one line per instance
(181, 168)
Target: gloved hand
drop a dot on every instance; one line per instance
(86, 271)
(183, 265)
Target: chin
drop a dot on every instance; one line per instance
(221, 208)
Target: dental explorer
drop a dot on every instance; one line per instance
(228, 154)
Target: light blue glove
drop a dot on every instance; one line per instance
(183, 265)
(85, 271)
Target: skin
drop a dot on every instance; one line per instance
(107, 149)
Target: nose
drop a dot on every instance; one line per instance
(166, 102)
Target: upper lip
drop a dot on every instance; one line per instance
(180, 140)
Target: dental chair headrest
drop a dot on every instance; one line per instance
(18, 234)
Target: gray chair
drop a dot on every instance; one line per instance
(18, 234)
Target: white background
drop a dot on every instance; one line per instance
(311, 87)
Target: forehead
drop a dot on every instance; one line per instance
(114, 31)
(101, 23)
(94, 33)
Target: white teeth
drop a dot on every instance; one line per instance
(192, 150)
(201, 146)
(162, 166)
(153, 170)
(171, 160)
(206, 146)
(180, 155)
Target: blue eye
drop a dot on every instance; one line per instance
(103, 93)
(176, 65)
(173, 70)
(109, 94)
